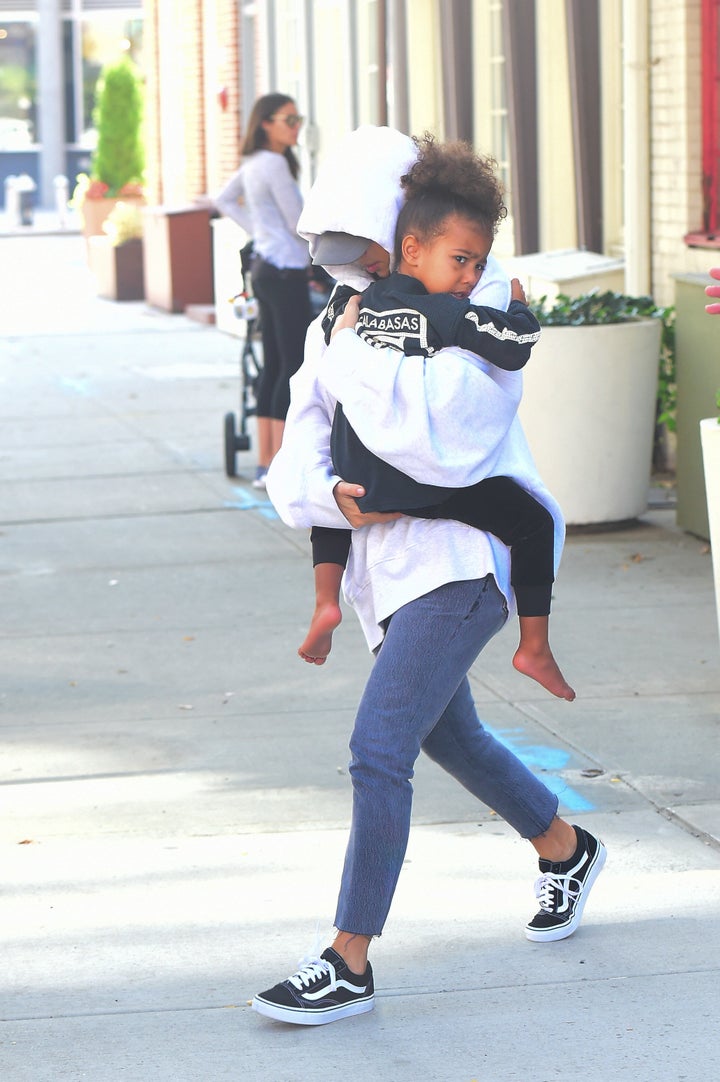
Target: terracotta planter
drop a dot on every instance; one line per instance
(710, 440)
(588, 411)
(118, 269)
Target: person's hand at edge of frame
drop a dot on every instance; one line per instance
(713, 291)
(346, 497)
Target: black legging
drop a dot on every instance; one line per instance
(499, 506)
(285, 313)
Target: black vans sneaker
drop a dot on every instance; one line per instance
(322, 990)
(562, 889)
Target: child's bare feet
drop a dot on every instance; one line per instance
(318, 641)
(540, 665)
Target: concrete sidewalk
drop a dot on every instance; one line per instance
(173, 779)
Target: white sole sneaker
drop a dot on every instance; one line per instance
(323, 990)
(299, 1016)
(563, 897)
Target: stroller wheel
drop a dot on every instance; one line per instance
(234, 442)
(230, 444)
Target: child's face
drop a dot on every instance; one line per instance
(452, 262)
(375, 261)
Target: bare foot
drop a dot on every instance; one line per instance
(318, 641)
(543, 667)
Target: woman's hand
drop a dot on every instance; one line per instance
(346, 498)
(349, 317)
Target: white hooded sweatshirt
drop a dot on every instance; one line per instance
(447, 420)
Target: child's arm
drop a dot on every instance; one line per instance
(503, 338)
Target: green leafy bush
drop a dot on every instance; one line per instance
(119, 159)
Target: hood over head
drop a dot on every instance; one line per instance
(357, 194)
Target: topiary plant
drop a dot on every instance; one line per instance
(119, 159)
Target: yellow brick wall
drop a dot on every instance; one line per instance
(152, 102)
(222, 78)
(676, 138)
(190, 15)
(193, 143)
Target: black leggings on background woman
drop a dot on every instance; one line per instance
(285, 314)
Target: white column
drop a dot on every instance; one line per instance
(636, 146)
(51, 118)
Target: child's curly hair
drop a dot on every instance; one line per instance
(448, 178)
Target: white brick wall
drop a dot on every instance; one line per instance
(676, 138)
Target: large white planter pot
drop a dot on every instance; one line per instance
(710, 439)
(588, 410)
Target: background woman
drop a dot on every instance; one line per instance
(263, 197)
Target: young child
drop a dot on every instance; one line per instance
(444, 234)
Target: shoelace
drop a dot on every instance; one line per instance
(311, 970)
(550, 882)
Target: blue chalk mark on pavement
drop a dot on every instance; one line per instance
(245, 501)
(78, 386)
(548, 762)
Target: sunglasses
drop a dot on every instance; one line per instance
(291, 119)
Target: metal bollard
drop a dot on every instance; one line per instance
(25, 186)
(62, 194)
(12, 202)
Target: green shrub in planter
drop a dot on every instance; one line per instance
(595, 308)
(589, 405)
(119, 159)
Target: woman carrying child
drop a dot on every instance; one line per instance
(429, 592)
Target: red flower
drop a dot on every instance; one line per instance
(96, 189)
(131, 188)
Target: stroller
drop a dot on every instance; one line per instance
(246, 307)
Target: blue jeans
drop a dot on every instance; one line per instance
(418, 698)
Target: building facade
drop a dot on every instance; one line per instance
(603, 115)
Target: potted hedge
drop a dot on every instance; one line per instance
(710, 440)
(118, 162)
(116, 257)
(590, 402)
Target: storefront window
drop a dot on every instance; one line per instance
(290, 52)
(368, 63)
(18, 85)
(331, 36)
(498, 106)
